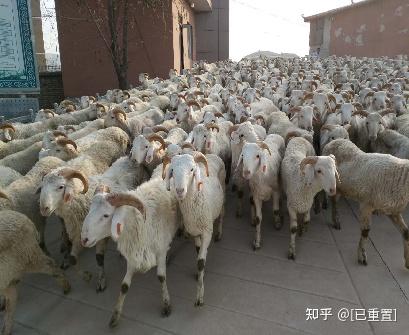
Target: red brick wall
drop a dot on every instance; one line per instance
(85, 61)
(380, 28)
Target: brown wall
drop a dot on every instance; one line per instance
(38, 32)
(85, 61)
(380, 28)
(212, 32)
(51, 89)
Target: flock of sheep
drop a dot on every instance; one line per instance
(142, 165)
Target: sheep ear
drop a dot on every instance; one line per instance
(67, 195)
(263, 161)
(238, 164)
(7, 135)
(38, 191)
(198, 177)
(168, 175)
(309, 174)
(347, 126)
(149, 155)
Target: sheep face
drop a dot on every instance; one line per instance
(199, 137)
(374, 125)
(303, 118)
(379, 101)
(250, 95)
(332, 133)
(183, 171)
(324, 171)
(398, 104)
(296, 98)
(141, 149)
(97, 224)
(6, 134)
(64, 151)
(346, 111)
(253, 158)
(84, 101)
(182, 113)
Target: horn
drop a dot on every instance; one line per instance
(218, 114)
(193, 103)
(369, 94)
(132, 103)
(70, 109)
(117, 111)
(358, 105)
(158, 138)
(165, 161)
(198, 93)
(332, 98)
(69, 173)
(92, 98)
(290, 135)
(263, 145)
(126, 93)
(200, 158)
(308, 160)
(49, 111)
(309, 95)
(188, 145)
(126, 199)
(233, 128)
(328, 127)
(8, 126)
(102, 189)
(243, 119)
(260, 117)
(4, 196)
(295, 109)
(387, 111)
(363, 113)
(70, 127)
(155, 129)
(212, 126)
(64, 141)
(59, 133)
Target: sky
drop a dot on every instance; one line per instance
(268, 25)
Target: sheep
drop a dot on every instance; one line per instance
(12, 147)
(282, 126)
(44, 114)
(201, 201)
(303, 176)
(391, 142)
(9, 132)
(262, 171)
(214, 139)
(143, 223)
(24, 160)
(378, 182)
(186, 117)
(61, 188)
(20, 254)
(7, 176)
(21, 196)
(330, 132)
(240, 134)
(398, 104)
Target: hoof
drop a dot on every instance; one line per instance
(2, 304)
(66, 287)
(325, 205)
(362, 258)
(199, 303)
(87, 276)
(217, 237)
(362, 262)
(101, 285)
(114, 320)
(300, 230)
(336, 226)
(291, 255)
(166, 310)
(256, 246)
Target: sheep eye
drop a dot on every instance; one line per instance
(191, 170)
(106, 215)
(58, 150)
(241, 135)
(319, 171)
(61, 187)
(258, 156)
(146, 147)
(332, 138)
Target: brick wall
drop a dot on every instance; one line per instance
(52, 89)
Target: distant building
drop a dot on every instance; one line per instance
(185, 31)
(370, 28)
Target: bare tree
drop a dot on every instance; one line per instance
(113, 19)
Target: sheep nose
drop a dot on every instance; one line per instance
(309, 128)
(45, 210)
(246, 173)
(180, 191)
(332, 191)
(84, 242)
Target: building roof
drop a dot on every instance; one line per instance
(201, 5)
(338, 10)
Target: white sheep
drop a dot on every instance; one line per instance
(7, 176)
(143, 223)
(303, 176)
(261, 167)
(378, 182)
(18, 145)
(20, 254)
(201, 201)
(24, 160)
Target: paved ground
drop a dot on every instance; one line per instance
(246, 292)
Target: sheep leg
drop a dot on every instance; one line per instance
(293, 231)
(258, 204)
(252, 210)
(161, 272)
(100, 258)
(41, 232)
(2, 303)
(365, 221)
(126, 282)
(201, 260)
(306, 222)
(398, 220)
(73, 259)
(66, 245)
(324, 201)
(276, 210)
(219, 230)
(334, 211)
(240, 194)
(228, 171)
(317, 203)
(10, 297)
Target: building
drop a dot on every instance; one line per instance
(172, 37)
(371, 28)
